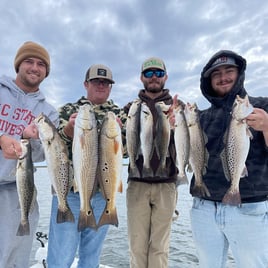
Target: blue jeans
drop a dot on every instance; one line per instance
(64, 238)
(216, 227)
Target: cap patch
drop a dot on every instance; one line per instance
(153, 63)
(221, 60)
(102, 72)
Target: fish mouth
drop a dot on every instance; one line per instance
(38, 119)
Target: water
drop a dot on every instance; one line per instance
(115, 250)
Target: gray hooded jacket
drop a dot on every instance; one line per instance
(18, 110)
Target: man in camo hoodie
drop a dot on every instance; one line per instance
(65, 239)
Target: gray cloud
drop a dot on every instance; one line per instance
(121, 34)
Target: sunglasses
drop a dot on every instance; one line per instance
(157, 73)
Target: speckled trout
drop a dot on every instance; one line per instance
(110, 166)
(58, 166)
(182, 143)
(236, 149)
(85, 161)
(198, 154)
(162, 137)
(146, 139)
(25, 186)
(133, 138)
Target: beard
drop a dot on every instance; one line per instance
(154, 86)
(30, 82)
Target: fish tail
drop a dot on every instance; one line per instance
(232, 198)
(134, 172)
(109, 217)
(23, 229)
(200, 190)
(65, 215)
(182, 179)
(161, 171)
(120, 187)
(147, 172)
(86, 220)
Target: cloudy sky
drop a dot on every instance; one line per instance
(123, 33)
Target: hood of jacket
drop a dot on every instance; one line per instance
(238, 88)
(9, 83)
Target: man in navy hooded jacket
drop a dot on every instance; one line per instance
(217, 226)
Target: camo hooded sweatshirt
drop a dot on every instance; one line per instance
(215, 121)
(18, 110)
(99, 109)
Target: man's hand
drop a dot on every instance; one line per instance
(69, 128)
(10, 147)
(258, 120)
(30, 131)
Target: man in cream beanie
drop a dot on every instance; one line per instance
(31, 49)
(21, 101)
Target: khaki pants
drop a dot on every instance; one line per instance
(150, 208)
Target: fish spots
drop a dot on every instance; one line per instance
(105, 167)
(56, 154)
(89, 213)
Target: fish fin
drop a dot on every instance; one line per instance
(33, 200)
(204, 170)
(120, 187)
(206, 161)
(244, 172)
(232, 198)
(23, 229)
(225, 165)
(108, 217)
(225, 137)
(82, 141)
(71, 180)
(189, 168)
(86, 220)
(116, 146)
(65, 216)
(75, 187)
(71, 184)
(53, 192)
(249, 133)
(205, 137)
